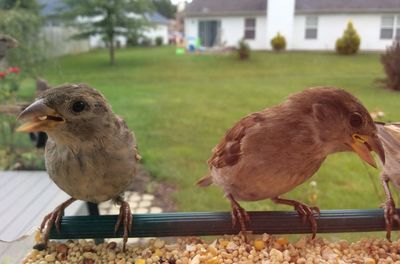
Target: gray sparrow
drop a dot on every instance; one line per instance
(90, 154)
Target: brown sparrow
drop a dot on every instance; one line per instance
(389, 135)
(268, 153)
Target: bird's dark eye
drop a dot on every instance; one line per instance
(356, 120)
(78, 106)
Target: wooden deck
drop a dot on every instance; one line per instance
(25, 198)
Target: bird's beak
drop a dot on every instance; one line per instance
(363, 145)
(39, 117)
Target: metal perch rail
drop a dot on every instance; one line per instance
(220, 223)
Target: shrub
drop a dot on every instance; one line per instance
(349, 43)
(25, 27)
(145, 42)
(278, 43)
(159, 41)
(22, 22)
(243, 50)
(391, 66)
(133, 40)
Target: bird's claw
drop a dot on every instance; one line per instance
(53, 218)
(48, 222)
(308, 213)
(125, 217)
(390, 215)
(240, 215)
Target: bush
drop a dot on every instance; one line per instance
(391, 66)
(145, 42)
(159, 41)
(278, 43)
(25, 27)
(349, 43)
(243, 50)
(133, 40)
(24, 24)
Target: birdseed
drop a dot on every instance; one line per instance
(263, 249)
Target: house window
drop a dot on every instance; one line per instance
(311, 27)
(390, 27)
(250, 28)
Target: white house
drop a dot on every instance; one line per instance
(306, 24)
(59, 35)
(158, 28)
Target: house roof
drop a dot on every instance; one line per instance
(157, 18)
(225, 7)
(347, 6)
(243, 7)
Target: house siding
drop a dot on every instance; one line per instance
(331, 27)
(157, 31)
(150, 33)
(232, 30)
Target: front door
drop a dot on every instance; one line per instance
(209, 32)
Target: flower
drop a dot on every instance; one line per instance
(15, 70)
(313, 183)
(2, 74)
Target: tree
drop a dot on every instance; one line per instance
(165, 8)
(108, 18)
(30, 5)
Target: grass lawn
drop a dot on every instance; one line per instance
(180, 107)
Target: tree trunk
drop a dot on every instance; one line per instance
(112, 51)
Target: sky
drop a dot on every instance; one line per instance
(179, 1)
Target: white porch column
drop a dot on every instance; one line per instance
(280, 18)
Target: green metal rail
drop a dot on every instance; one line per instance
(219, 223)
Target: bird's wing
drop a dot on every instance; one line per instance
(128, 135)
(390, 135)
(229, 150)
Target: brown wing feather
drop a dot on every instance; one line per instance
(389, 134)
(229, 151)
(128, 135)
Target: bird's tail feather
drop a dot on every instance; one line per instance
(205, 181)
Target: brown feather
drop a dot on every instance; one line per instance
(228, 151)
(205, 181)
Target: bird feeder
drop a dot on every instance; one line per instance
(220, 223)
